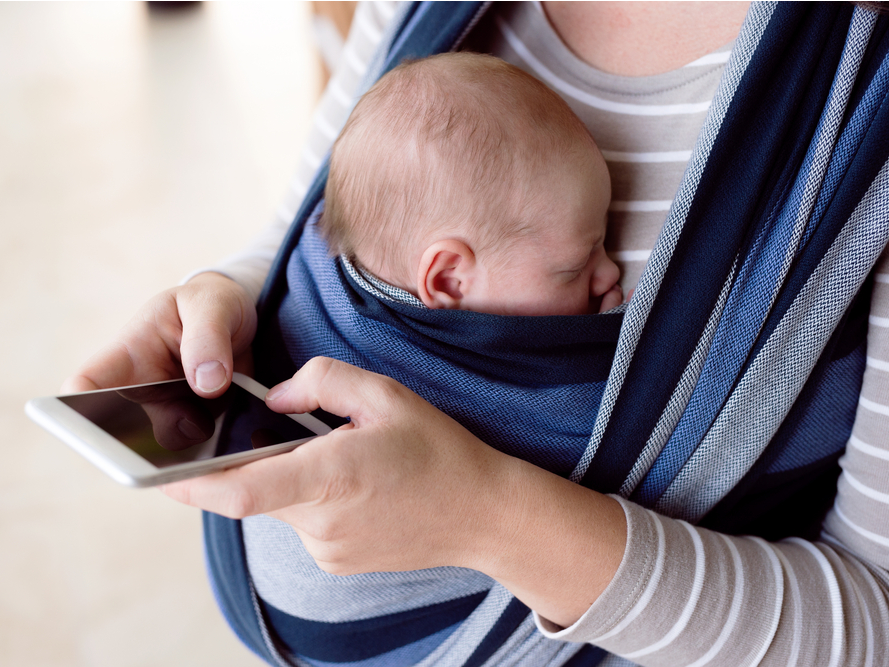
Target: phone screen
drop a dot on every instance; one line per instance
(168, 424)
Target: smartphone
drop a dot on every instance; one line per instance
(162, 432)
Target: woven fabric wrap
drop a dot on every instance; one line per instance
(737, 363)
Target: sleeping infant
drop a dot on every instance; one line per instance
(471, 185)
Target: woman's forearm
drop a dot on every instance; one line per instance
(554, 544)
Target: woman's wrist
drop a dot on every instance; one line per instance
(554, 544)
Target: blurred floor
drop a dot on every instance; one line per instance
(134, 147)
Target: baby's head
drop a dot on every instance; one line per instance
(469, 183)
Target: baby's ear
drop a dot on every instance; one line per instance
(445, 273)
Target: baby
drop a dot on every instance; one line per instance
(471, 185)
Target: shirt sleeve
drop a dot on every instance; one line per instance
(690, 596)
(250, 266)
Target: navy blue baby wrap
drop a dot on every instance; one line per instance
(724, 395)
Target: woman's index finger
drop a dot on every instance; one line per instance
(336, 387)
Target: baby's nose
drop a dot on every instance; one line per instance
(604, 277)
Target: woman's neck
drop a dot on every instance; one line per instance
(644, 38)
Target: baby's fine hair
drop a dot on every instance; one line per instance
(454, 142)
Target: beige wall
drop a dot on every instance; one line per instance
(133, 148)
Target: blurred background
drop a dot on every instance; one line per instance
(136, 144)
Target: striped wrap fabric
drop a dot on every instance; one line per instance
(723, 395)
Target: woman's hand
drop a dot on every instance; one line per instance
(401, 487)
(405, 487)
(198, 330)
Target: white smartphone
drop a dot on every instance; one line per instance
(162, 432)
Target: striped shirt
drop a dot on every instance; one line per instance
(683, 595)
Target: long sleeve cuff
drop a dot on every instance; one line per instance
(679, 595)
(690, 596)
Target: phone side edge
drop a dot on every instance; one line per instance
(70, 427)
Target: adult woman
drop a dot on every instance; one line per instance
(372, 496)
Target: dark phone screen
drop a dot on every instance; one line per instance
(168, 424)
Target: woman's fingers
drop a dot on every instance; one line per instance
(146, 350)
(197, 329)
(218, 321)
(110, 367)
(402, 486)
(137, 356)
(284, 480)
(315, 471)
(339, 388)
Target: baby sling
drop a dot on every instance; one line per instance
(724, 395)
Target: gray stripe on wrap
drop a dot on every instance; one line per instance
(859, 33)
(526, 647)
(681, 395)
(735, 441)
(457, 648)
(292, 582)
(643, 298)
